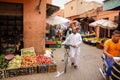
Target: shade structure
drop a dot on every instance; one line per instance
(104, 24)
(54, 20)
(97, 22)
(109, 25)
(93, 24)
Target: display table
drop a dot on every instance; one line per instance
(50, 44)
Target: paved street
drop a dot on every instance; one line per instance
(89, 64)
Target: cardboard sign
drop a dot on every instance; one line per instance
(27, 51)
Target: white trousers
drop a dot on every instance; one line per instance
(74, 55)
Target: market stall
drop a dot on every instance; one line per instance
(26, 63)
(98, 41)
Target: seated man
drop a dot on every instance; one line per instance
(19, 45)
(112, 49)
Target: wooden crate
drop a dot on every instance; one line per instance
(42, 68)
(22, 71)
(1, 74)
(32, 70)
(28, 70)
(52, 68)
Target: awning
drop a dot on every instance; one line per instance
(51, 9)
(111, 4)
(54, 20)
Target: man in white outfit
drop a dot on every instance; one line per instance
(74, 40)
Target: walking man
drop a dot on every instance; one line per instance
(74, 39)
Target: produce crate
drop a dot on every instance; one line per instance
(28, 70)
(10, 73)
(1, 74)
(32, 70)
(42, 68)
(52, 68)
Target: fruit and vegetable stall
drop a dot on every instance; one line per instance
(27, 63)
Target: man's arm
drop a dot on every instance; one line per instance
(105, 51)
(67, 40)
(79, 42)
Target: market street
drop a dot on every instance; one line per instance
(90, 62)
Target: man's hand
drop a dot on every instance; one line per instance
(62, 44)
(110, 56)
(74, 46)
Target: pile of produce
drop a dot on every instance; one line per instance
(15, 62)
(44, 60)
(28, 61)
(3, 61)
(94, 39)
(9, 56)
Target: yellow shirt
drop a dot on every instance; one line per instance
(113, 48)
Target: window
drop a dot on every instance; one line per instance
(116, 18)
(71, 7)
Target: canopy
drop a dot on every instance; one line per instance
(96, 23)
(54, 20)
(104, 24)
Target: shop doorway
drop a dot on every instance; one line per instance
(11, 25)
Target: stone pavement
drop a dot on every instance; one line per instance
(88, 69)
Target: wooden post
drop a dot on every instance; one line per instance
(119, 22)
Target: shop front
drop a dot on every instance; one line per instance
(23, 21)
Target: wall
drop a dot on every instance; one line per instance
(84, 6)
(49, 1)
(59, 13)
(70, 8)
(90, 13)
(33, 24)
(79, 7)
(108, 14)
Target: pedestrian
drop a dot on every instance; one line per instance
(111, 49)
(18, 46)
(68, 32)
(74, 39)
(60, 34)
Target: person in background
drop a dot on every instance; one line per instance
(60, 34)
(111, 49)
(18, 46)
(68, 32)
(74, 39)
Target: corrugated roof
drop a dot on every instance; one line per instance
(111, 4)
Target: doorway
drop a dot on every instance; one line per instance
(11, 25)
